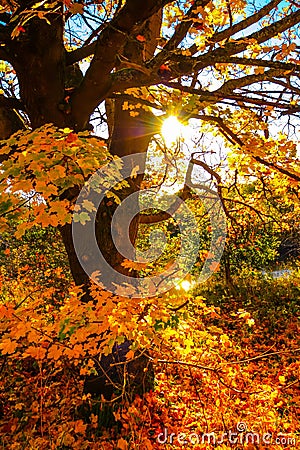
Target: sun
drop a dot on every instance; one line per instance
(171, 130)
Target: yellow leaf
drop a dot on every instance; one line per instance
(67, 130)
(134, 172)
(88, 205)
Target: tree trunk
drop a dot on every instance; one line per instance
(128, 136)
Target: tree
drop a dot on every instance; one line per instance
(230, 65)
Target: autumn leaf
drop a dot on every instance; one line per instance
(122, 444)
(130, 354)
(140, 38)
(88, 205)
(80, 427)
(55, 352)
(281, 379)
(76, 8)
(7, 346)
(82, 218)
(214, 266)
(134, 172)
(35, 352)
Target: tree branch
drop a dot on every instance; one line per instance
(236, 83)
(187, 64)
(97, 81)
(254, 18)
(260, 63)
(179, 34)
(80, 53)
(257, 158)
(165, 215)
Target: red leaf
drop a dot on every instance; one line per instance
(71, 138)
(141, 38)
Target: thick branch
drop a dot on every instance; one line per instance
(80, 53)
(187, 64)
(97, 81)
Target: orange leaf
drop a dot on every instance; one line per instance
(54, 352)
(122, 444)
(130, 354)
(214, 266)
(8, 346)
(141, 38)
(35, 352)
(80, 427)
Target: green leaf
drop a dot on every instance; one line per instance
(82, 217)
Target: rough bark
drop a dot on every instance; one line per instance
(128, 135)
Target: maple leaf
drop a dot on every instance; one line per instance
(82, 218)
(134, 172)
(80, 427)
(21, 330)
(88, 205)
(35, 352)
(281, 379)
(55, 352)
(71, 138)
(8, 346)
